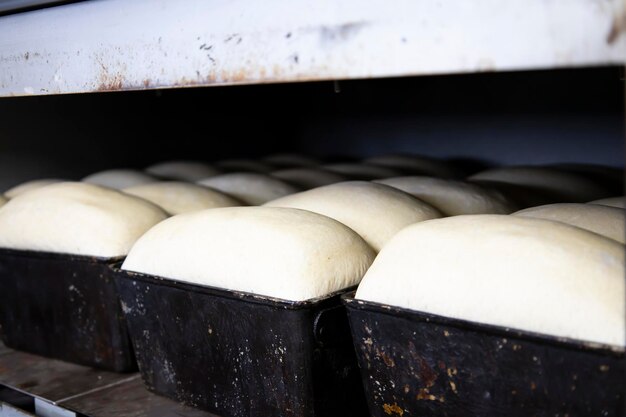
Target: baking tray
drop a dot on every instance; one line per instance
(239, 354)
(64, 307)
(417, 364)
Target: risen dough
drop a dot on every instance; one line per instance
(29, 186)
(251, 188)
(374, 211)
(529, 274)
(119, 178)
(412, 164)
(566, 187)
(360, 171)
(180, 197)
(452, 197)
(611, 202)
(3, 200)
(76, 218)
(284, 253)
(606, 221)
(307, 178)
(182, 170)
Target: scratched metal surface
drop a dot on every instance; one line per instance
(144, 44)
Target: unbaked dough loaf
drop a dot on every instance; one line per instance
(119, 178)
(76, 218)
(603, 220)
(374, 211)
(3, 200)
(360, 171)
(290, 160)
(285, 253)
(453, 197)
(244, 165)
(529, 274)
(182, 170)
(307, 178)
(618, 202)
(251, 188)
(412, 164)
(29, 186)
(181, 197)
(566, 187)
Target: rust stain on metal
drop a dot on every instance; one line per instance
(393, 409)
(108, 81)
(386, 359)
(423, 394)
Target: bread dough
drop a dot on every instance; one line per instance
(603, 220)
(566, 187)
(3, 200)
(251, 188)
(412, 164)
(182, 170)
(451, 197)
(181, 197)
(28, 186)
(290, 160)
(611, 202)
(119, 178)
(244, 165)
(307, 178)
(528, 274)
(359, 171)
(374, 211)
(284, 253)
(76, 218)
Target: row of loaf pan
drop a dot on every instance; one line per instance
(239, 354)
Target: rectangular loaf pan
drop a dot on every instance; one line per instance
(239, 354)
(418, 364)
(64, 307)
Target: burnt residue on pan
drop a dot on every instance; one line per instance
(415, 364)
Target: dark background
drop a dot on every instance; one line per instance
(530, 117)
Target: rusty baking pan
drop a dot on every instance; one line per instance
(239, 354)
(64, 307)
(417, 364)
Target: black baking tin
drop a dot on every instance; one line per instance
(417, 364)
(239, 354)
(64, 307)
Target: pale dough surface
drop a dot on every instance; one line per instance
(76, 218)
(362, 171)
(251, 188)
(374, 211)
(28, 186)
(182, 170)
(414, 164)
(3, 200)
(119, 178)
(308, 178)
(603, 220)
(284, 253)
(618, 202)
(180, 197)
(528, 274)
(451, 197)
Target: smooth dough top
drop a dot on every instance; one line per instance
(413, 164)
(451, 197)
(566, 186)
(362, 171)
(119, 178)
(182, 170)
(29, 186)
(603, 220)
(251, 188)
(308, 178)
(374, 211)
(181, 197)
(284, 253)
(528, 274)
(76, 218)
(618, 202)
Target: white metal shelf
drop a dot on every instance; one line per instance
(107, 45)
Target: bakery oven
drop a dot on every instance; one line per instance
(345, 92)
